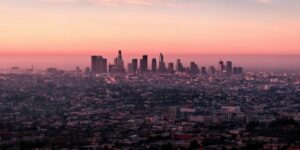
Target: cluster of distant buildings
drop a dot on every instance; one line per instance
(145, 110)
(100, 65)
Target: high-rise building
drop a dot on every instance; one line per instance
(99, 64)
(235, 70)
(171, 67)
(144, 64)
(130, 69)
(240, 70)
(221, 67)
(118, 66)
(95, 64)
(194, 69)
(229, 68)
(203, 71)
(212, 70)
(154, 65)
(179, 66)
(104, 65)
(134, 63)
(120, 62)
(162, 65)
(111, 68)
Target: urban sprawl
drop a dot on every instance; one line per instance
(165, 107)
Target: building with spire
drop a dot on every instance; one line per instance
(162, 65)
(118, 66)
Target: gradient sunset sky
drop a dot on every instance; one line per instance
(85, 27)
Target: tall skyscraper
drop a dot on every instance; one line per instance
(99, 64)
(221, 66)
(235, 70)
(171, 67)
(134, 63)
(240, 70)
(144, 64)
(95, 65)
(162, 65)
(130, 69)
(120, 62)
(212, 70)
(179, 66)
(118, 66)
(229, 68)
(116, 62)
(111, 68)
(194, 69)
(203, 71)
(104, 65)
(154, 65)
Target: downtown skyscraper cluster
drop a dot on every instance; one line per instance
(99, 65)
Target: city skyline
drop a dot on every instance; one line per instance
(206, 27)
(252, 63)
(101, 65)
(150, 74)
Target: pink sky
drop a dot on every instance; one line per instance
(72, 27)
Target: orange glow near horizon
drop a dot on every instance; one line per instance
(55, 28)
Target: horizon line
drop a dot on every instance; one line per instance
(130, 54)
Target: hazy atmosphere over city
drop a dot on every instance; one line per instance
(176, 27)
(150, 74)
